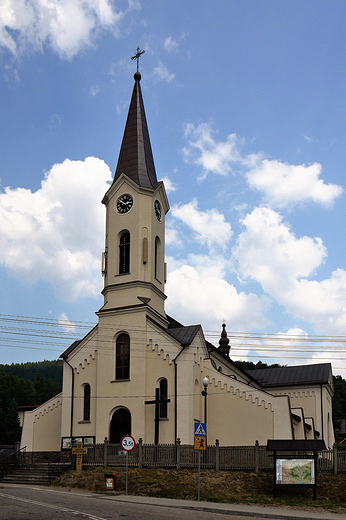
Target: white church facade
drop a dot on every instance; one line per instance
(137, 354)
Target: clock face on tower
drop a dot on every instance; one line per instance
(157, 208)
(124, 203)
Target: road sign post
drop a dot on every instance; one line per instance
(200, 444)
(128, 443)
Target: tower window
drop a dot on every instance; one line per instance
(158, 259)
(124, 253)
(86, 403)
(122, 368)
(163, 395)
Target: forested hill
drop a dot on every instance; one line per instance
(25, 384)
(49, 370)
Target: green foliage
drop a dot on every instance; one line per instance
(25, 384)
(49, 369)
(339, 400)
(249, 365)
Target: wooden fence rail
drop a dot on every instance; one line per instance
(249, 458)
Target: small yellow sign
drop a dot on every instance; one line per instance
(200, 443)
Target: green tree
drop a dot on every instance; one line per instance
(11, 430)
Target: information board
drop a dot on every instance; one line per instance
(295, 471)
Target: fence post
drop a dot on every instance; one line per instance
(140, 453)
(256, 457)
(178, 453)
(105, 452)
(335, 459)
(217, 455)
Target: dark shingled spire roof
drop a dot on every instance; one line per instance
(224, 341)
(136, 157)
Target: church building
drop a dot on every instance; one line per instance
(141, 372)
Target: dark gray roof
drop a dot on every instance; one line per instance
(295, 445)
(299, 375)
(136, 156)
(185, 335)
(70, 349)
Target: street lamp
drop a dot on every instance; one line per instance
(205, 393)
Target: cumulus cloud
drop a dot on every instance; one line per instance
(64, 25)
(281, 184)
(56, 233)
(209, 227)
(201, 291)
(268, 251)
(284, 184)
(204, 150)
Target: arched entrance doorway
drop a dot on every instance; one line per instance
(120, 425)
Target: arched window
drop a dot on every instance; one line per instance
(124, 253)
(163, 395)
(158, 259)
(86, 403)
(122, 363)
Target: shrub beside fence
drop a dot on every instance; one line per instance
(245, 458)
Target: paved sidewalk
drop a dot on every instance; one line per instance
(229, 509)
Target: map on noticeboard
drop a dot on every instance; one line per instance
(295, 471)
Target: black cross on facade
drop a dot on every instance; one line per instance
(157, 403)
(137, 55)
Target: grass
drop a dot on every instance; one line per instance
(216, 486)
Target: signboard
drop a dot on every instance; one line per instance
(66, 443)
(128, 443)
(200, 436)
(79, 451)
(295, 471)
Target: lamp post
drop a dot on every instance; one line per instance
(205, 393)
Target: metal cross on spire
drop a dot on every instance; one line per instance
(137, 55)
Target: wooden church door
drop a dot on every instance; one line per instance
(120, 425)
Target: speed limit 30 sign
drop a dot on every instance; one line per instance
(128, 443)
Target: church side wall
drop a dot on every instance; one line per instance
(239, 414)
(41, 428)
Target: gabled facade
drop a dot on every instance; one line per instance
(136, 352)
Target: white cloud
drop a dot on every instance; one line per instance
(170, 45)
(283, 184)
(268, 252)
(66, 324)
(195, 293)
(56, 233)
(209, 227)
(204, 150)
(65, 25)
(169, 185)
(161, 73)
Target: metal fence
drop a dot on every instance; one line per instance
(245, 458)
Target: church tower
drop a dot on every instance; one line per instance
(136, 204)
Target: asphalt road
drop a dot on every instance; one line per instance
(41, 503)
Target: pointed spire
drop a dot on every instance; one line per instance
(224, 341)
(136, 156)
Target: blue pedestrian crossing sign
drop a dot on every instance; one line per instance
(200, 429)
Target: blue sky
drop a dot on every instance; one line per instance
(245, 102)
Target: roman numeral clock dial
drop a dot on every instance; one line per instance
(124, 203)
(157, 208)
